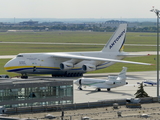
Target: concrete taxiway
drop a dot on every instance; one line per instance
(89, 94)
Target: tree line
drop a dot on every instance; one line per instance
(77, 27)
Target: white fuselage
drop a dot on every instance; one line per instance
(44, 63)
(100, 83)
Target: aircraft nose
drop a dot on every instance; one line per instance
(9, 64)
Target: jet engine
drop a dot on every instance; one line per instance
(110, 82)
(88, 67)
(66, 66)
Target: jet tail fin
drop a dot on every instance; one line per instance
(122, 74)
(116, 42)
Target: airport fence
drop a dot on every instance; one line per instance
(103, 103)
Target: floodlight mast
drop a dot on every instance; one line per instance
(157, 12)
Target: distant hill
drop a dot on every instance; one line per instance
(76, 20)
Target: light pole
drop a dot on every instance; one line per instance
(157, 12)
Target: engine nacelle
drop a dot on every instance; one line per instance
(88, 67)
(110, 82)
(66, 66)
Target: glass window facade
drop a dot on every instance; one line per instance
(43, 94)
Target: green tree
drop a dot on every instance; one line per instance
(140, 92)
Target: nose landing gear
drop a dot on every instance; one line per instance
(108, 89)
(98, 89)
(80, 85)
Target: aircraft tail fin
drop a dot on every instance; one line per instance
(122, 74)
(117, 40)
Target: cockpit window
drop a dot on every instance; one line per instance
(19, 55)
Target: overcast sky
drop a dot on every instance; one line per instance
(78, 8)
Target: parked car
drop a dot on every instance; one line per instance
(49, 116)
(4, 76)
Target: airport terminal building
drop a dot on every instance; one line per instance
(35, 92)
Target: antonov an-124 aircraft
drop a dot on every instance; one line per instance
(111, 82)
(72, 64)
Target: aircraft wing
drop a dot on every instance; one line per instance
(144, 53)
(132, 55)
(135, 54)
(81, 57)
(93, 86)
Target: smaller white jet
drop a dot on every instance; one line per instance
(112, 82)
(148, 82)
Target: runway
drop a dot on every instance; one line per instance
(48, 43)
(136, 53)
(7, 56)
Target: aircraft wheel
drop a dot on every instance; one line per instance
(81, 74)
(98, 89)
(78, 74)
(80, 88)
(24, 77)
(68, 75)
(53, 75)
(108, 89)
(74, 74)
(65, 74)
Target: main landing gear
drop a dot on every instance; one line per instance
(98, 89)
(80, 85)
(24, 76)
(108, 89)
(79, 88)
(68, 75)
